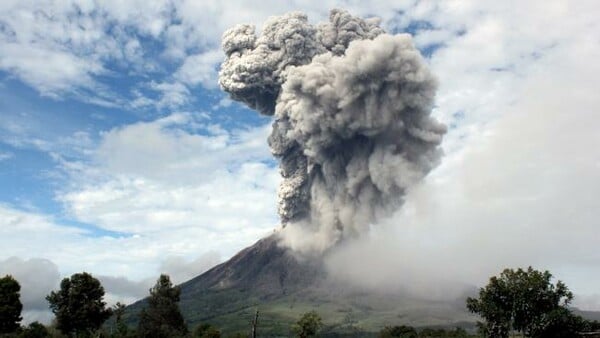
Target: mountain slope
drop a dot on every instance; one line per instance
(271, 279)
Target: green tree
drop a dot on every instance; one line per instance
(206, 331)
(10, 304)
(121, 329)
(162, 317)
(308, 325)
(521, 300)
(398, 331)
(78, 305)
(434, 333)
(34, 330)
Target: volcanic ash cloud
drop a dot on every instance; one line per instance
(352, 128)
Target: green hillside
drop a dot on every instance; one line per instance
(268, 278)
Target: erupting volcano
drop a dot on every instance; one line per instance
(352, 128)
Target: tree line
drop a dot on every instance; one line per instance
(80, 311)
(517, 302)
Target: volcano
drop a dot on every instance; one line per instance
(271, 279)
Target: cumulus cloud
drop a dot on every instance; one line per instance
(63, 49)
(46, 54)
(166, 183)
(166, 146)
(174, 187)
(161, 176)
(200, 69)
(21, 228)
(51, 72)
(172, 95)
(102, 39)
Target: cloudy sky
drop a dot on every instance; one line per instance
(120, 156)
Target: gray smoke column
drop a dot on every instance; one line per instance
(352, 128)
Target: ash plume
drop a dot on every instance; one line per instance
(352, 128)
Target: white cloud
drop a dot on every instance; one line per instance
(124, 290)
(168, 186)
(181, 270)
(25, 131)
(172, 95)
(50, 71)
(126, 267)
(165, 149)
(183, 192)
(61, 47)
(6, 156)
(51, 56)
(201, 69)
(37, 278)
(150, 18)
(20, 229)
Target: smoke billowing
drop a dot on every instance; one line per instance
(352, 128)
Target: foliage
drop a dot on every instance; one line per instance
(308, 325)
(558, 324)
(162, 317)
(398, 331)
(431, 333)
(206, 331)
(522, 300)
(34, 330)
(410, 332)
(10, 304)
(589, 325)
(121, 329)
(78, 305)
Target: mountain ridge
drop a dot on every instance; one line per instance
(270, 278)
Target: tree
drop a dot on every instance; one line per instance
(398, 331)
(433, 333)
(521, 300)
(34, 330)
(78, 305)
(121, 329)
(162, 317)
(10, 304)
(308, 325)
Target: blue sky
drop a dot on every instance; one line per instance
(119, 154)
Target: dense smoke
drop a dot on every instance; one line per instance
(352, 128)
